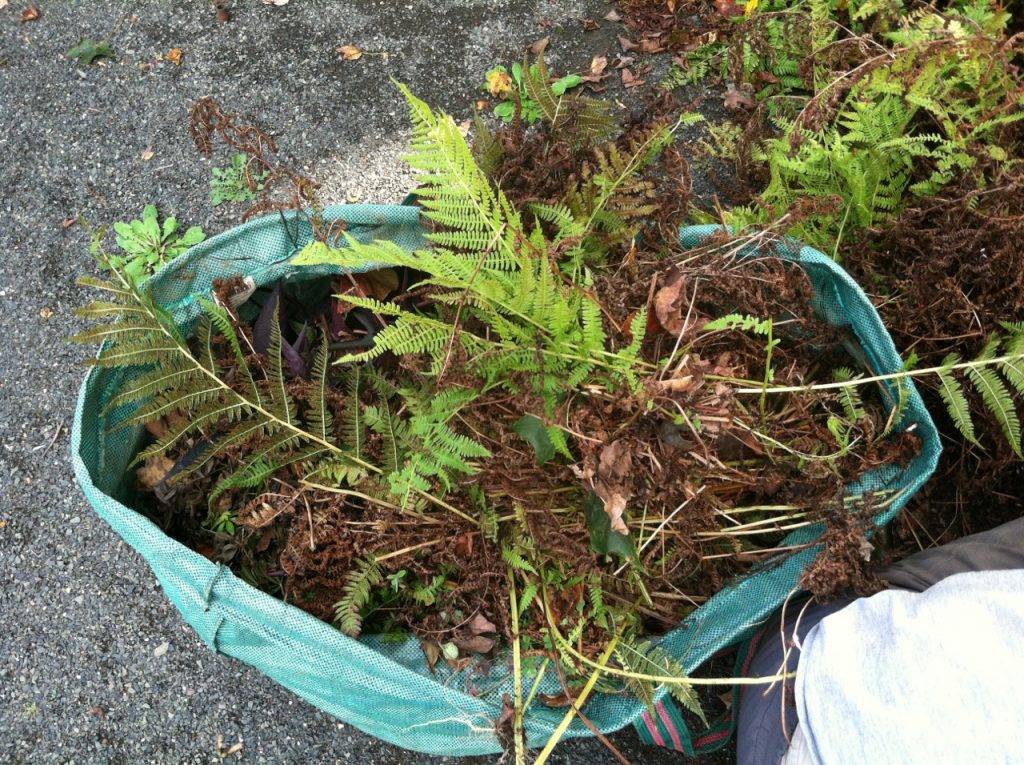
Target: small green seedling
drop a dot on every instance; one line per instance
(515, 80)
(148, 245)
(229, 184)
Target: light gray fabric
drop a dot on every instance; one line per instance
(902, 677)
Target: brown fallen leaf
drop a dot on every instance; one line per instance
(463, 547)
(69, 222)
(174, 56)
(621, 62)
(474, 643)
(670, 304)
(598, 65)
(154, 470)
(99, 712)
(613, 470)
(612, 15)
(46, 313)
(589, 25)
(630, 80)
(481, 624)
(461, 663)
(540, 46)
(651, 45)
(31, 13)
(559, 700)
(350, 52)
(432, 652)
(737, 99)
(482, 105)
(147, 155)
(223, 10)
(728, 8)
(627, 44)
(676, 384)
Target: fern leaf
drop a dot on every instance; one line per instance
(281, 402)
(515, 559)
(318, 416)
(953, 397)
(358, 587)
(999, 402)
(353, 425)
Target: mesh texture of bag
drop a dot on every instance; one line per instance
(386, 688)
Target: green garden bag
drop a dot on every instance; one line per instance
(385, 688)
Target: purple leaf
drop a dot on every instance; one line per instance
(293, 355)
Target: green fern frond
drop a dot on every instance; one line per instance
(999, 402)
(849, 398)
(514, 557)
(643, 658)
(258, 412)
(952, 394)
(358, 587)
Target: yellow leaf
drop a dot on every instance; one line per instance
(751, 7)
(350, 52)
(174, 56)
(499, 83)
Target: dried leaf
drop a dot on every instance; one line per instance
(461, 663)
(46, 313)
(482, 625)
(474, 644)
(589, 25)
(728, 8)
(670, 304)
(432, 652)
(613, 470)
(598, 65)
(540, 46)
(99, 712)
(154, 470)
(621, 62)
(3, 4)
(612, 15)
(737, 99)
(223, 10)
(68, 222)
(147, 155)
(482, 105)
(463, 547)
(350, 52)
(174, 56)
(499, 83)
(275, 2)
(651, 45)
(31, 13)
(630, 80)
(560, 700)
(627, 44)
